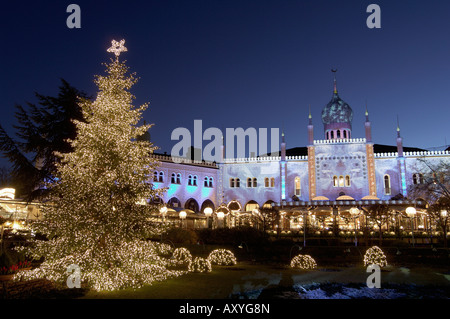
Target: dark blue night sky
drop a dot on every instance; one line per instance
(241, 63)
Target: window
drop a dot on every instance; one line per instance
(155, 176)
(161, 177)
(347, 181)
(272, 182)
(194, 180)
(341, 181)
(335, 181)
(255, 182)
(387, 185)
(173, 178)
(232, 182)
(190, 180)
(266, 182)
(206, 184)
(249, 182)
(238, 183)
(210, 184)
(417, 178)
(297, 186)
(178, 178)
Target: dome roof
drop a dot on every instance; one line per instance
(337, 111)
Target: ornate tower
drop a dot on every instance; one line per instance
(337, 117)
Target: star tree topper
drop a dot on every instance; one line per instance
(117, 47)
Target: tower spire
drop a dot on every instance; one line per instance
(335, 83)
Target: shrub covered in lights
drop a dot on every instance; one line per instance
(375, 255)
(181, 256)
(200, 264)
(223, 257)
(303, 262)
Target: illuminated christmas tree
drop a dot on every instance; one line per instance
(98, 216)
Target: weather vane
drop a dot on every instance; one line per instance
(117, 47)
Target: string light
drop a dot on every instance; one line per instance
(222, 257)
(200, 264)
(303, 262)
(374, 255)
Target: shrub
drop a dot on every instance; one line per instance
(223, 257)
(303, 262)
(200, 264)
(182, 256)
(375, 255)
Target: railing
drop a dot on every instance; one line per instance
(183, 160)
(340, 141)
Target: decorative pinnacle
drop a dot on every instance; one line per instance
(335, 85)
(117, 47)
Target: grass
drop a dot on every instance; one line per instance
(266, 281)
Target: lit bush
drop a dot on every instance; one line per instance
(222, 257)
(375, 255)
(303, 262)
(200, 264)
(182, 256)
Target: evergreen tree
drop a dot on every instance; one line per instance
(97, 218)
(42, 129)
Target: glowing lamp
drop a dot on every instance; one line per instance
(163, 210)
(208, 211)
(183, 214)
(411, 212)
(220, 215)
(444, 213)
(354, 211)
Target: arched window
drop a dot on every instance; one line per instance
(178, 178)
(341, 181)
(161, 177)
(338, 133)
(297, 186)
(335, 181)
(173, 178)
(387, 185)
(272, 182)
(190, 180)
(332, 134)
(238, 182)
(194, 180)
(266, 182)
(205, 182)
(155, 176)
(249, 182)
(232, 183)
(210, 182)
(415, 182)
(255, 182)
(347, 181)
(421, 178)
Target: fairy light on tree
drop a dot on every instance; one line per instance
(222, 257)
(95, 212)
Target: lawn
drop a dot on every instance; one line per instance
(256, 281)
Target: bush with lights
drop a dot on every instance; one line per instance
(303, 262)
(181, 256)
(374, 255)
(222, 257)
(200, 264)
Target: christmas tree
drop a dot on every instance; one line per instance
(99, 213)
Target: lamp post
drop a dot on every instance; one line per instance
(220, 216)
(163, 211)
(411, 212)
(182, 217)
(208, 212)
(444, 214)
(355, 212)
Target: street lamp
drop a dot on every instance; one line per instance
(220, 216)
(411, 212)
(355, 212)
(444, 214)
(182, 217)
(163, 211)
(208, 212)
